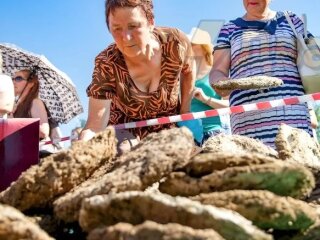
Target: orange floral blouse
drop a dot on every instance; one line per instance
(111, 80)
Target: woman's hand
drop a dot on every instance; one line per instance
(211, 102)
(86, 135)
(222, 93)
(98, 118)
(200, 95)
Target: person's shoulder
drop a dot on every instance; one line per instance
(230, 25)
(38, 103)
(166, 30)
(170, 34)
(291, 14)
(296, 20)
(108, 53)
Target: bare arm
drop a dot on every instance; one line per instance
(38, 110)
(56, 134)
(216, 103)
(212, 102)
(98, 118)
(220, 68)
(187, 87)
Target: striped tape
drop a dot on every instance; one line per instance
(214, 112)
(221, 111)
(56, 140)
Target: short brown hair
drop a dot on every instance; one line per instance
(145, 5)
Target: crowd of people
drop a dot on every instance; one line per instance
(151, 72)
(132, 80)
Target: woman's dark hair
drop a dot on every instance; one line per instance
(145, 5)
(23, 109)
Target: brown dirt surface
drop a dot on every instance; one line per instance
(265, 209)
(137, 207)
(298, 145)
(256, 82)
(153, 158)
(60, 172)
(205, 163)
(152, 231)
(284, 179)
(98, 174)
(237, 144)
(15, 226)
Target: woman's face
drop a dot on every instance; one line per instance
(131, 30)
(256, 7)
(20, 81)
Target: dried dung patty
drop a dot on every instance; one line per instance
(256, 82)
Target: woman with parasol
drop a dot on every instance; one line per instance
(55, 88)
(27, 102)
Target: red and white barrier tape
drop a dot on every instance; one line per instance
(214, 112)
(221, 111)
(56, 140)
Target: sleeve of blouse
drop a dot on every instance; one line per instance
(102, 85)
(186, 53)
(223, 41)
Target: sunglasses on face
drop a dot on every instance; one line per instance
(19, 79)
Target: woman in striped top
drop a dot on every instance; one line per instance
(261, 43)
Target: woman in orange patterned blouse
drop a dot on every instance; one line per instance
(141, 75)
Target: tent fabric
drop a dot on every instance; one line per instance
(19, 147)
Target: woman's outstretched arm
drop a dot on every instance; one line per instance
(220, 69)
(98, 118)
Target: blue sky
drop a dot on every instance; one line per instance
(70, 33)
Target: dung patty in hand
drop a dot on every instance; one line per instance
(256, 82)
